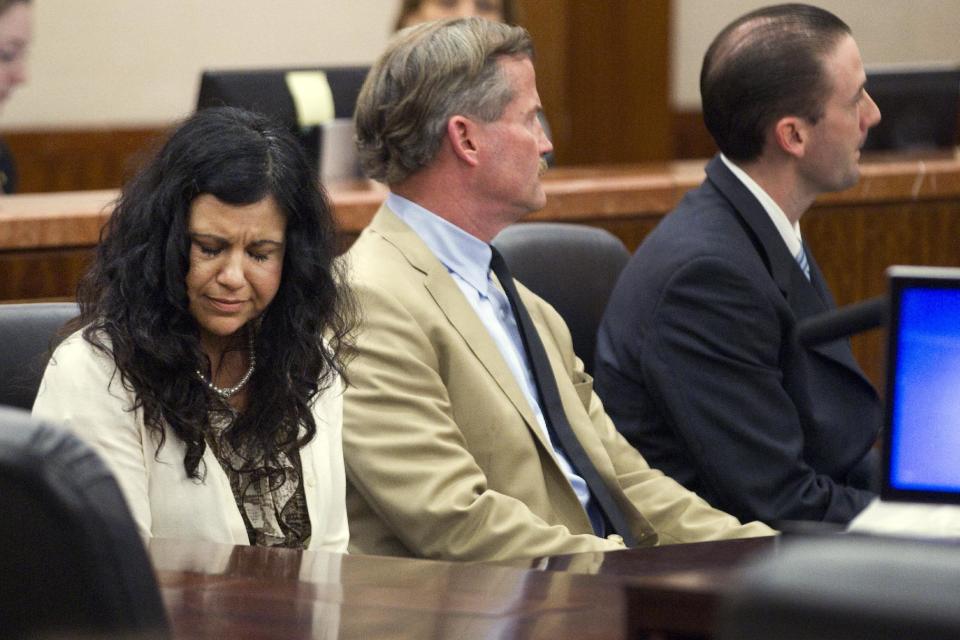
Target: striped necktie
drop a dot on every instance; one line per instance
(801, 259)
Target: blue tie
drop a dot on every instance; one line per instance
(801, 259)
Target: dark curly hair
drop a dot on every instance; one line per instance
(133, 300)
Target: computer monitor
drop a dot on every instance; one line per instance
(918, 105)
(921, 439)
(267, 91)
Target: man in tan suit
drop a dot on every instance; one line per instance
(453, 447)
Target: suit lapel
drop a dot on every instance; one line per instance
(782, 266)
(457, 310)
(805, 297)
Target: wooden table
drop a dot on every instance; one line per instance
(219, 591)
(903, 211)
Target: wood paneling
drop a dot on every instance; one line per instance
(602, 71)
(690, 136)
(78, 160)
(45, 274)
(548, 26)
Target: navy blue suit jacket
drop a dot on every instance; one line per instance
(698, 366)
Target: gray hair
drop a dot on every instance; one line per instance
(429, 73)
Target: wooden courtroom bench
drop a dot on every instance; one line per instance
(903, 211)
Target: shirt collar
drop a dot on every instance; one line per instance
(460, 252)
(790, 232)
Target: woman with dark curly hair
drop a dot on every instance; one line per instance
(206, 363)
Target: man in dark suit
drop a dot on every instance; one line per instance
(696, 359)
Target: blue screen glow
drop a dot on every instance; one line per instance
(925, 421)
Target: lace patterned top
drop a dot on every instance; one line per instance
(270, 497)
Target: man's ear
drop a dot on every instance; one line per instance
(791, 135)
(462, 133)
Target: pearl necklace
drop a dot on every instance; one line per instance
(226, 392)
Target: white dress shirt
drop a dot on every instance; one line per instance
(790, 232)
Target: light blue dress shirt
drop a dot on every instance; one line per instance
(467, 259)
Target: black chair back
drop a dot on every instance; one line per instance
(27, 333)
(71, 559)
(573, 267)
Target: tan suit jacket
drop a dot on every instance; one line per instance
(443, 454)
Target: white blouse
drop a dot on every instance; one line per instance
(82, 391)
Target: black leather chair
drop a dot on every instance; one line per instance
(847, 588)
(27, 332)
(72, 563)
(573, 267)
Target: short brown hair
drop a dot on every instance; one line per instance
(763, 66)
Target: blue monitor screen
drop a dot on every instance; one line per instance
(924, 392)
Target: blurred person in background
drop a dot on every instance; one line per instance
(416, 11)
(16, 31)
